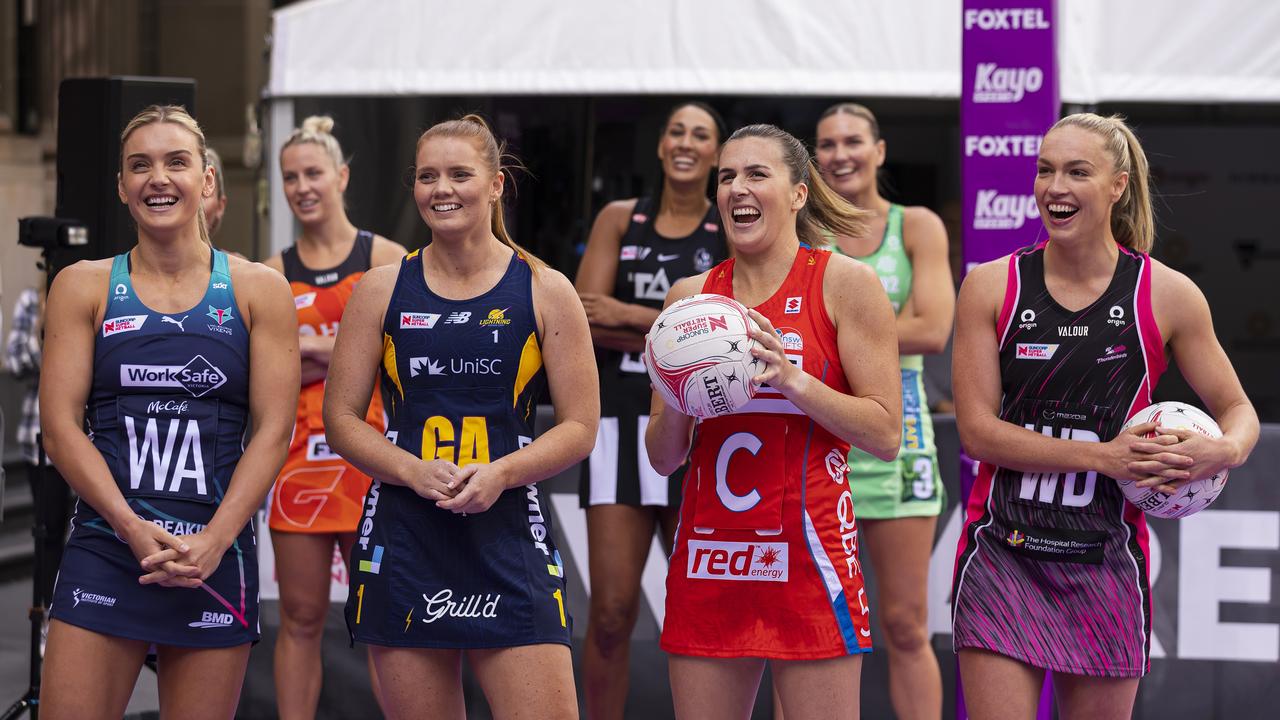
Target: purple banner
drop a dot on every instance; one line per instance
(1009, 97)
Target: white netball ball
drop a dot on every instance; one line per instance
(1191, 497)
(699, 355)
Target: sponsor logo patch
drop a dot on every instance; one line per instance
(78, 596)
(122, 324)
(792, 306)
(418, 321)
(1035, 351)
(757, 561)
(443, 605)
(373, 566)
(305, 300)
(197, 377)
(210, 620)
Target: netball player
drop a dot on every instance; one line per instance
(216, 203)
(766, 558)
(317, 498)
(637, 248)
(898, 501)
(455, 553)
(1056, 346)
(188, 348)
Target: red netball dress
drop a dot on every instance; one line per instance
(766, 556)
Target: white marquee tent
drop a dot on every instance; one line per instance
(1180, 51)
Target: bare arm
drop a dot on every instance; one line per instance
(670, 432)
(976, 382)
(614, 324)
(1182, 308)
(575, 395)
(871, 417)
(353, 373)
(71, 322)
(273, 394)
(924, 323)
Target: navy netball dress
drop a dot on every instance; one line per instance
(168, 410)
(460, 380)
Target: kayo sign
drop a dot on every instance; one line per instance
(1009, 98)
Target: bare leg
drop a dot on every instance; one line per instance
(618, 538)
(420, 683)
(1094, 698)
(514, 693)
(88, 675)
(200, 683)
(997, 687)
(819, 689)
(714, 688)
(303, 563)
(900, 551)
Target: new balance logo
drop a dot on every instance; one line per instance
(457, 318)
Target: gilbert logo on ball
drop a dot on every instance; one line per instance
(699, 355)
(1193, 496)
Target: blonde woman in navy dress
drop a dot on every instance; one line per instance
(175, 349)
(454, 554)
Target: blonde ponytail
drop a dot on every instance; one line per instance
(1132, 217)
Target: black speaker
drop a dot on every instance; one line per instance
(92, 112)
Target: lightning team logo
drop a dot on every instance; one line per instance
(497, 317)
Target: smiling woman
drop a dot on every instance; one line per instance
(779, 519)
(191, 349)
(455, 553)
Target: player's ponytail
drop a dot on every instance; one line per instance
(474, 128)
(825, 211)
(1132, 217)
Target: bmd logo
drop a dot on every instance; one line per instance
(760, 561)
(212, 620)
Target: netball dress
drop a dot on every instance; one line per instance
(168, 410)
(766, 555)
(618, 470)
(1052, 567)
(460, 380)
(317, 491)
(909, 485)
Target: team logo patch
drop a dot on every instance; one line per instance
(791, 339)
(757, 561)
(1035, 351)
(122, 324)
(305, 300)
(792, 306)
(78, 596)
(221, 315)
(1114, 352)
(418, 321)
(497, 317)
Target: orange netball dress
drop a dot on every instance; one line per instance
(317, 491)
(766, 556)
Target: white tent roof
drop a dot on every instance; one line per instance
(1139, 50)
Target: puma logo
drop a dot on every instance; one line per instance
(167, 319)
